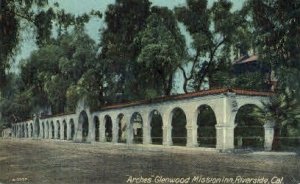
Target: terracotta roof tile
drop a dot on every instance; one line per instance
(189, 95)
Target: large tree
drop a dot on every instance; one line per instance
(162, 51)
(38, 15)
(214, 35)
(278, 39)
(277, 35)
(124, 20)
(47, 76)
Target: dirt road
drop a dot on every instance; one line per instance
(39, 162)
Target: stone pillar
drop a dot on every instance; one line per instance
(78, 130)
(68, 130)
(102, 122)
(18, 131)
(62, 130)
(129, 129)
(42, 127)
(29, 131)
(269, 135)
(115, 129)
(92, 129)
(55, 130)
(225, 113)
(25, 130)
(46, 131)
(35, 128)
(191, 128)
(225, 136)
(167, 129)
(146, 128)
(50, 131)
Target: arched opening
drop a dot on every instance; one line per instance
(108, 128)
(58, 129)
(65, 129)
(121, 128)
(52, 130)
(249, 132)
(96, 125)
(43, 130)
(206, 131)
(136, 128)
(178, 127)
(84, 125)
(156, 124)
(72, 126)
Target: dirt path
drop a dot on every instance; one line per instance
(39, 162)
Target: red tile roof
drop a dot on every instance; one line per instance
(189, 95)
(177, 97)
(56, 115)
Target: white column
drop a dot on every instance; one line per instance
(102, 123)
(225, 114)
(68, 130)
(78, 130)
(269, 135)
(92, 128)
(146, 128)
(167, 129)
(41, 130)
(18, 131)
(225, 136)
(191, 128)
(55, 130)
(129, 129)
(46, 130)
(115, 128)
(62, 130)
(25, 131)
(50, 130)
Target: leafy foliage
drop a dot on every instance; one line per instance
(214, 32)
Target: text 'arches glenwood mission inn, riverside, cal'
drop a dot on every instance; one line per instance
(121, 123)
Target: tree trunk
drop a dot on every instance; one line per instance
(276, 143)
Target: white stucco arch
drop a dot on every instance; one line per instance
(224, 103)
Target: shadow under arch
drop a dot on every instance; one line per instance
(31, 130)
(122, 126)
(58, 129)
(83, 126)
(156, 125)
(108, 128)
(249, 130)
(72, 127)
(206, 131)
(52, 130)
(64, 124)
(178, 122)
(136, 128)
(43, 130)
(96, 128)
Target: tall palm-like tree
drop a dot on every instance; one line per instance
(283, 109)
